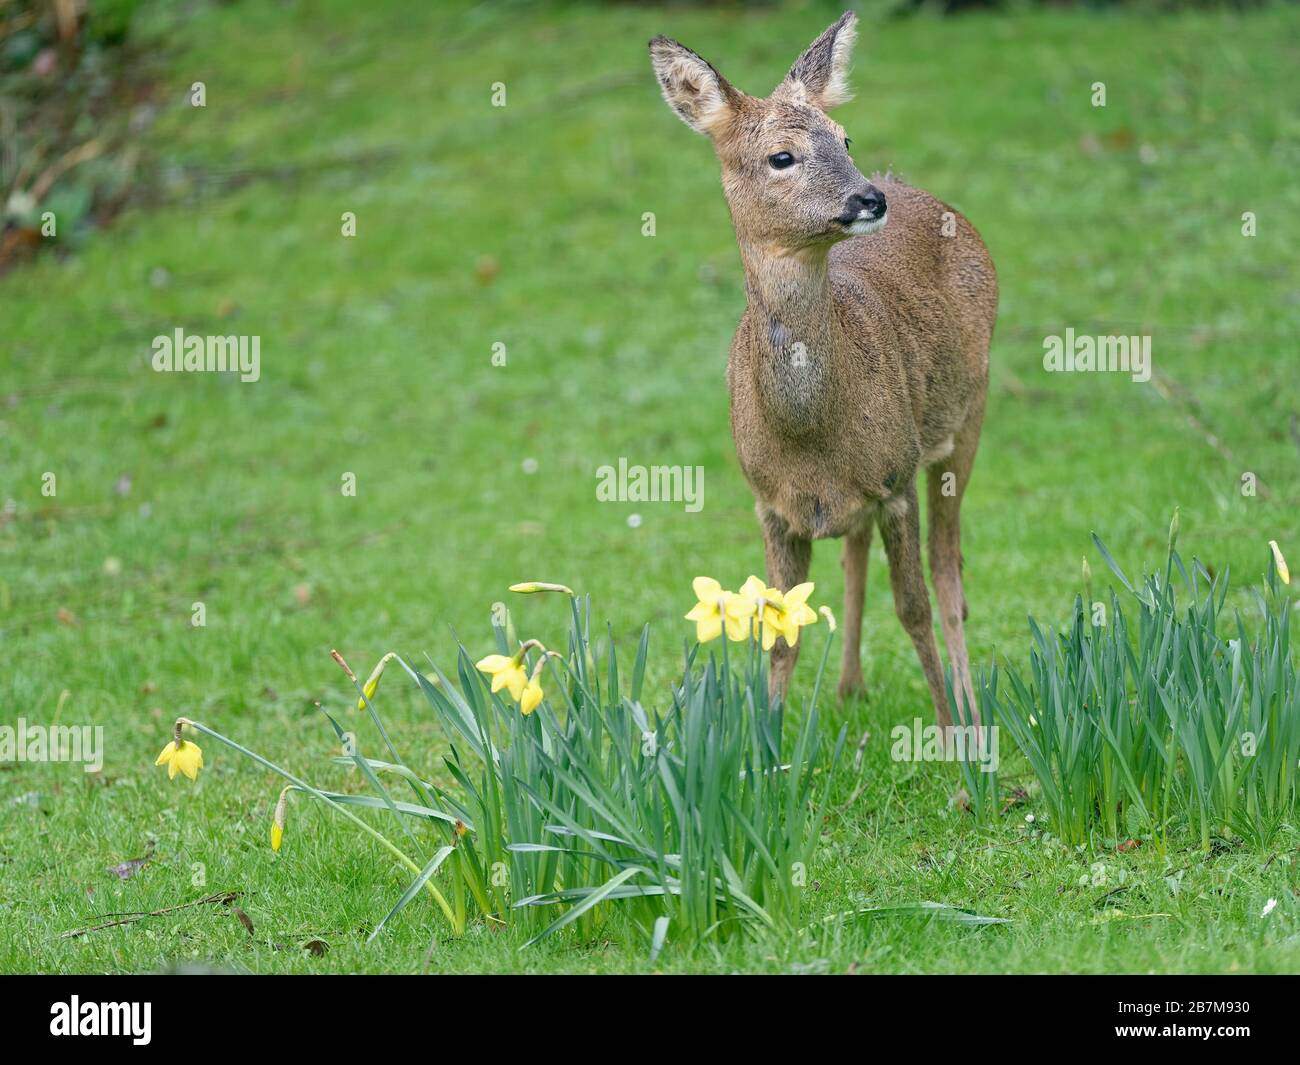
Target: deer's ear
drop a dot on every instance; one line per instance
(702, 97)
(823, 70)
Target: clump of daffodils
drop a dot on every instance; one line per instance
(756, 610)
(511, 671)
(181, 756)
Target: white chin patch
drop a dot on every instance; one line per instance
(868, 225)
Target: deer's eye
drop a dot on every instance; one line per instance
(780, 161)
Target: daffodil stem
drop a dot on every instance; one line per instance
(379, 725)
(365, 700)
(527, 646)
(417, 785)
(821, 670)
(396, 851)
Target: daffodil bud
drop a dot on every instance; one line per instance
(346, 668)
(1173, 530)
(277, 822)
(372, 684)
(825, 612)
(1280, 562)
(531, 587)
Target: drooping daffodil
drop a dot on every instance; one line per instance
(532, 691)
(186, 758)
(718, 610)
(512, 673)
(507, 671)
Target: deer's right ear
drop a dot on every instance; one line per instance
(702, 97)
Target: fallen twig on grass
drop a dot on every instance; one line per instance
(222, 897)
(83, 153)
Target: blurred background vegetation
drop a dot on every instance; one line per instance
(78, 88)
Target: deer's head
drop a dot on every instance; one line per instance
(786, 170)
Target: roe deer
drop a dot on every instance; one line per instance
(862, 354)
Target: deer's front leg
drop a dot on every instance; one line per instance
(857, 547)
(788, 557)
(900, 529)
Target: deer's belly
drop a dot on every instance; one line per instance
(821, 500)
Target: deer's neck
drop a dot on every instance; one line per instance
(796, 335)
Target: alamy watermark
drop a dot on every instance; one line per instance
(208, 354)
(53, 743)
(1100, 354)
(132, 1019)
(920, 742)
(651, 484)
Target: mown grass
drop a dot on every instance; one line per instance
(523, 225)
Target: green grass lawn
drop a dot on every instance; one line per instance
(522, 225)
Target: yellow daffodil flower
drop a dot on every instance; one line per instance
(1282, 571)
(532, 695)
(188, 759)
(506, 672)
(718, 609)
(768, 610)
(796, 612)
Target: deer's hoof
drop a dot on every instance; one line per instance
(851, 688)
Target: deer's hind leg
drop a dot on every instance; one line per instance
(946, 482)
(901, 531)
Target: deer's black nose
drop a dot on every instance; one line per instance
(871, 200)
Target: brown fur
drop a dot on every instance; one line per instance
(858, 360)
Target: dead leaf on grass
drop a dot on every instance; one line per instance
(127, 869)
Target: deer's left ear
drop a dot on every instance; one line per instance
(823, 70)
